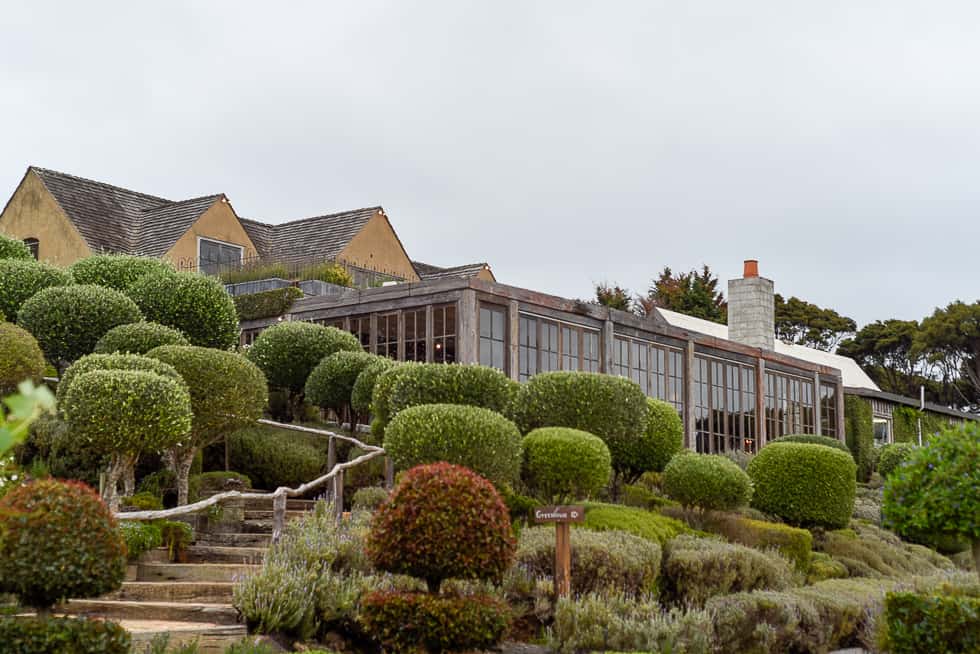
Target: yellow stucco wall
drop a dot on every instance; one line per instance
(218, 223)
(486, 275)
(376, 247)
(33, 213)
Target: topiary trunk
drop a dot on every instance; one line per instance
(976, 556)
(181, 462)
(129, 478)
(118, 465)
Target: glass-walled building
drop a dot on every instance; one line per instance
(730, 396)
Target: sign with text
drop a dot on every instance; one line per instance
(559, 514)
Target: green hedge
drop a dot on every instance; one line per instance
(22, 635)
(68, 321)
(412, 384)
(288, 352)
(813, 439)
(710, 482)
(613, 408)
(195, 304)
(562, 464)
(266, 304)
(940, 623)
(21, 280)
(477, 438)
(331, 383)
(859, 434)
(20, 358)
(892, 456)
(363, 390)
(14, 248)
(639, 522)
(139, 338)
(118, 271)
(804, 484)
(664, 437)
(793, 543)
(273, 457)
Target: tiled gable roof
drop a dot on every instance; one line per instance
(427, 271)
(161, 226)
(320, 237)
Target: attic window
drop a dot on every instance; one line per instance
(215, 257)
(33, 245)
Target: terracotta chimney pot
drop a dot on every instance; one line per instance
(751, 268)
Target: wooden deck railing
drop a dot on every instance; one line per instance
(281, 494)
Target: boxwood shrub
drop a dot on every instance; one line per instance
(565, 464)
(274, 457)
(892, 456)
(369, 498)
(139, 338)
(645, 524)
(68, 321)
(813, 439)
(60, 541)
(709, 482)
(266, 304)
(602, 562)
(413, 384)
(932, 622)
(470, 436)
(793, 543)
(62, 636)
(363, 390)
(20, 358)
(331, 382)
(613, 408)
(119, 361)
(809, 485)
(195, 304)
(21, 280)
(140, 537)
(118, 271)
(288, 352)
(664, 437)
(14, 248)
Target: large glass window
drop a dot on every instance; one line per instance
(444, 334)
(548, 346)
(658, 369)
(415, 334)
(360, 326)
(570, 347)
(388, 335)
(828, 410)
(789, 405)
(545, 345)
(724, 406)
(493, 336)
(214, 257)
(527, 348)
(590, 351)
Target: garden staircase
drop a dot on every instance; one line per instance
(191, 599)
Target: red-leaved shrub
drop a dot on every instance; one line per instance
(442, 521)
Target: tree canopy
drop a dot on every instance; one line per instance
(694, 293)
(805, 323)
(613, 296)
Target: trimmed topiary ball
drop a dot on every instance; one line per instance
(709, 482)
(808, 485)
(812, 439)
(117, 361)
(139, 338)
(21, 280)
(20, 358)
(613, 408)
(470, 436)
(892, 456)
(360, 397)
(331, 383)
(436, 383)
(195, 304)
(118, 271)
(68, 321)
(441, 522)
(565, 464)
(288, 352)
(14, 248)
(663, 438)
(60, 541)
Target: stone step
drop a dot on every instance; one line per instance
(235, 539)
(210, 638)
(262, 514)
(209, 554)
(292, 504)
(193, 571)
(116, 610)
(257, 527)
(205, 592)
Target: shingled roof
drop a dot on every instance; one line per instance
(319, 237)
(114, 219)
(427, 271)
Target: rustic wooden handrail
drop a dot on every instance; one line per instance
(280, 495)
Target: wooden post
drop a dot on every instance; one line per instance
(513, 336)
(563, 559)
(278, 516)
(608, 347)
(389, 473)
(467, 340)
(761, 435)
(690, 392)
(331, 454)
(338, 494)
(817, 418)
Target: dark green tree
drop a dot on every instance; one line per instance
(805, 323)
(694, 293)
(949, 340)
(888, 353)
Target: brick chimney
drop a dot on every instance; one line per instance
(751, 309)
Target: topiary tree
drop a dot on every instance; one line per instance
(60, 542)
(118, 271)
(613, 408)
(331, 383)
(859, 434)
(892, 456)
(116, 361)
(709, 482)
(68, 321)
(21, 358)
(14, 248)
(436, 383)
(361, 394)
(227, 392)
(477, 438)
(288, 352)
(804, 484)
(21, 280)
(139, 338)
(125, 412)
(195, 304)
(663, 438)
(565, 464)
(813, 439)
(937, 491)
(442, 521)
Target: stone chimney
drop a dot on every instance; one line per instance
(751, 309)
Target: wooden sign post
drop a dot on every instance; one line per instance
(563, 517)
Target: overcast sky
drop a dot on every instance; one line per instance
(565, 143)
